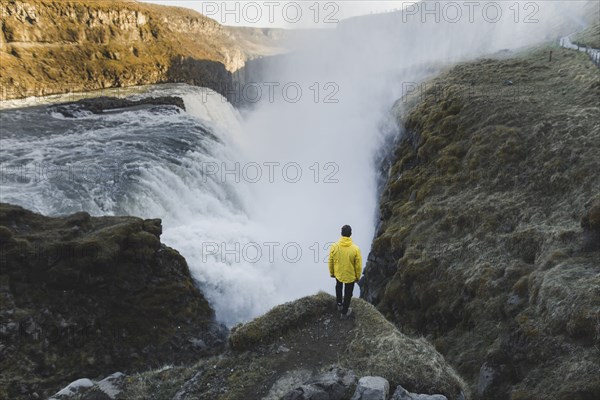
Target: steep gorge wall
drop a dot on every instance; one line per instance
(489, 239)
(49, 47)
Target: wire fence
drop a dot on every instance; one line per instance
(593, 53)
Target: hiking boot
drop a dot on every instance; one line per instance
(339, 307)
(347, 315)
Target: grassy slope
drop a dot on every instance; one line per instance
(481, 224)
(590, 37)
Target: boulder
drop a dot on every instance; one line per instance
(403, 394)
(335, 384)
(86, 389)
(486, 378)
(372, 388)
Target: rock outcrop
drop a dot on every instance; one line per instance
(302, 350)
(82, 296)
(488, 238)
(49, 47)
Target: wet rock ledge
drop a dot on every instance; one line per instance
(102, 105)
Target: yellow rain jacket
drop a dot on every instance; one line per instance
(345, 261)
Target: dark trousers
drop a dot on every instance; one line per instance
(348, 289)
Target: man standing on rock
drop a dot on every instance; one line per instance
(345, 265)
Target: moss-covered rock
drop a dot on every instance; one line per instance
(488, 241)
(82, 296)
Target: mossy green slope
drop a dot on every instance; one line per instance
(486, 243)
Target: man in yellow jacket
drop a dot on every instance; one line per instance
(345, 265)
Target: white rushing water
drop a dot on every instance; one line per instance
(252, 201)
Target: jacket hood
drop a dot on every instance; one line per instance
(345, 241)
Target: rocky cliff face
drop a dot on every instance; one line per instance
(488, 240)
(82, 295)
(50, 47)
(85, 297)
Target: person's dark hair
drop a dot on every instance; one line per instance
(346, 231)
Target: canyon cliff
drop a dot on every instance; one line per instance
(49, 47)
